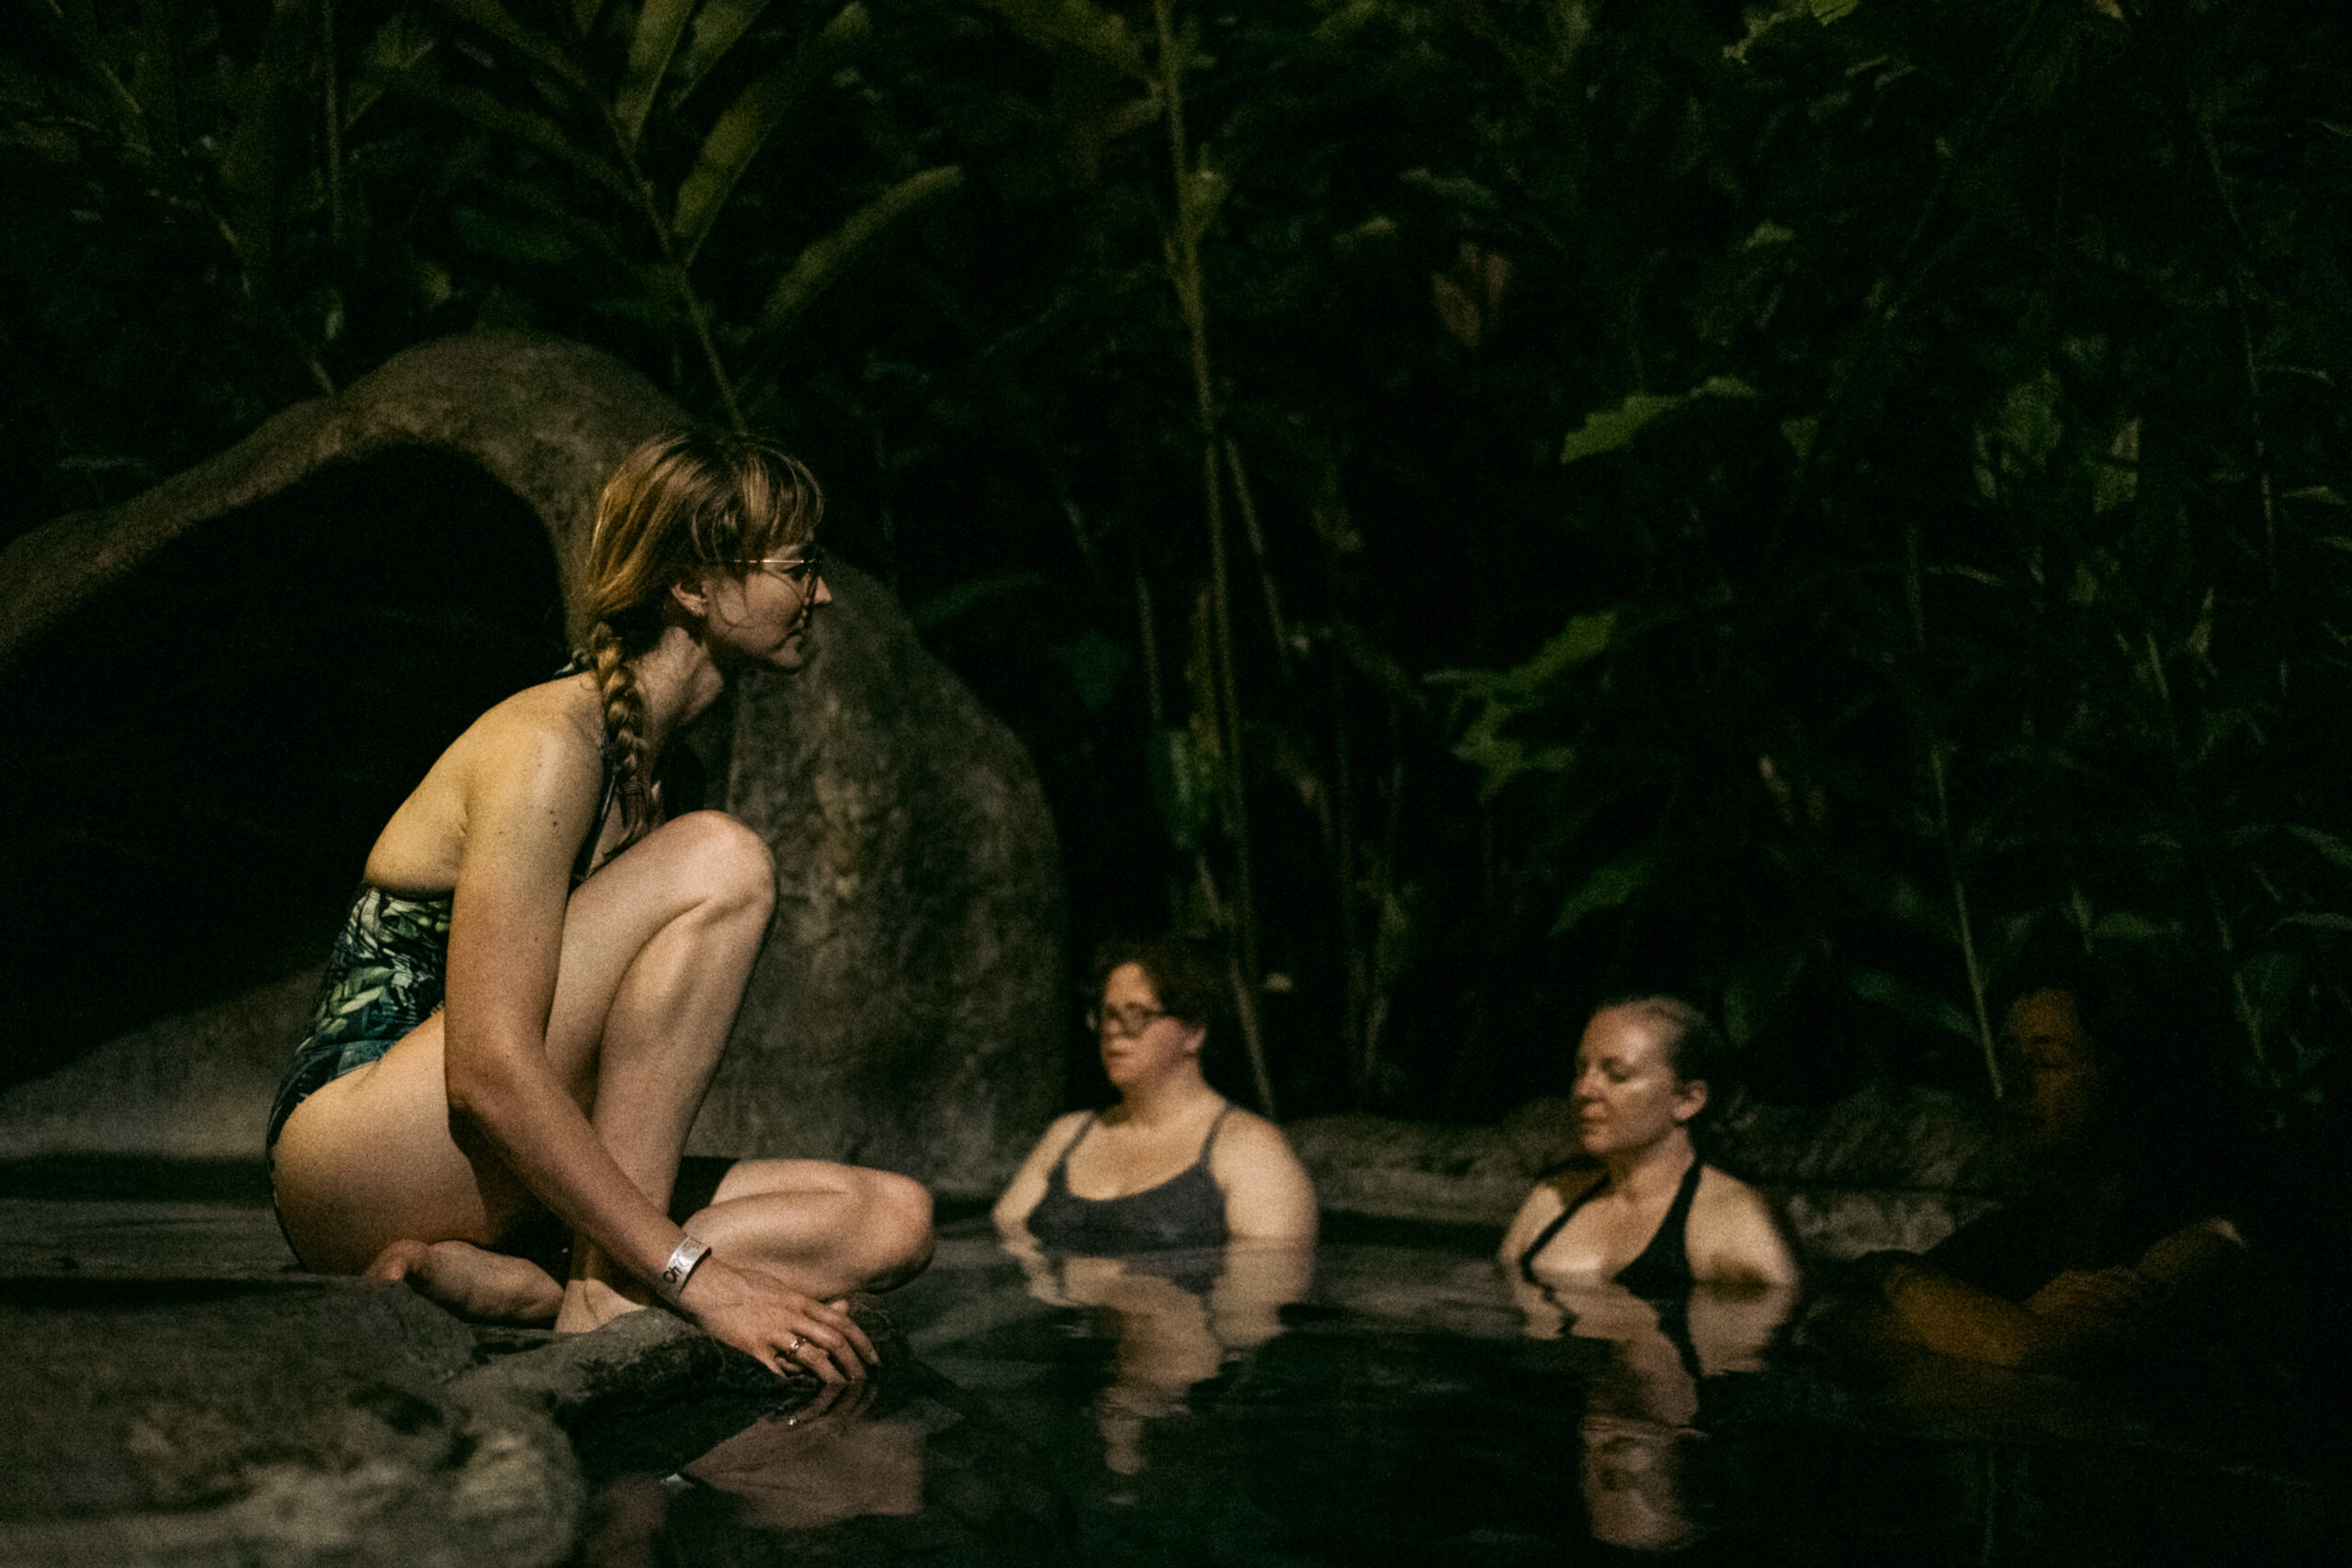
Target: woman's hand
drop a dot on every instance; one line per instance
(776, 1325)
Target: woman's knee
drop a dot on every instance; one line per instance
(896, 1225)
(728, 862)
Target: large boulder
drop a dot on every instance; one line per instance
(903, 1013)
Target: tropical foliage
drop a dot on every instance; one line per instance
(1487, 503)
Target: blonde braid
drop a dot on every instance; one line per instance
(680, 507)
(625, 724)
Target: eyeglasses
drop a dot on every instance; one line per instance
(800, 571)
(1131, 1021)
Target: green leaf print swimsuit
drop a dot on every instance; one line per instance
(388, 972)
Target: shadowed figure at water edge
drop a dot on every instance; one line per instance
(539, 974)
(1187, 1219)
(2125, 1227)
(1677, 1266)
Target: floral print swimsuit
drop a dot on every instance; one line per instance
(388, 974)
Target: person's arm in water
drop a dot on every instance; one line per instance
(1022, 1194)
(1734, 1241)
(2079, 1311)
(528, 807)
(1268, 1194)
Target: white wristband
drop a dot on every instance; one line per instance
(671, 1283)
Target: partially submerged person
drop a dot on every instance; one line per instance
(1174, 1164)
(2119, 1231)
(1677, 1266)
(539, 974)
(1646, 1211)
(1187, 1220)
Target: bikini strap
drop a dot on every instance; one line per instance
(1210, 1141)
(1678, 1216)
(1543, 1237)
(1061, 1162)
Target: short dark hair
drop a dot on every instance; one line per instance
(1187, 976)
(1695, 1048)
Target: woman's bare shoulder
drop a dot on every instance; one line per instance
(1740, 1231)
(538, 747)
(1250, 1131)
(1720, 1190)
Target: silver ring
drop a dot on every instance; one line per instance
(792, 1350)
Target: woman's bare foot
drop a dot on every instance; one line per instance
(591, 1304)
(488, 1287)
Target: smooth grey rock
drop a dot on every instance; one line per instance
(335, 1422)
(904, 1013)
(299, 1424)
(193, 1086)
(545, 417)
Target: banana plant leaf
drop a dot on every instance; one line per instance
(735, 139)
(658, 27)
(714, 31)
(821, 264)
(492, 115)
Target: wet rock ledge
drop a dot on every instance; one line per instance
(197, 1423)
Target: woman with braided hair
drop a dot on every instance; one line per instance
(539, 974)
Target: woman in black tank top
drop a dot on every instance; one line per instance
(1617, 1254)
(1173, 1164)
(1655, 1220)
(1141, 1212)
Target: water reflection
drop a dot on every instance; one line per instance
(1642, 1410)
(1175, 1318)
(838, 1459)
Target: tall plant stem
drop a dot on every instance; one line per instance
(333, 95)
(1275, 621)
(2249, 1018)
(1913, 593)
(676, 267)
(1185, 276)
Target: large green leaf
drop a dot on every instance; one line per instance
(1183, 786)
(494, 115)
(156, 81)
(820, 266)
(1608, 429)
(658, 27)
(735, 139)
(1077, 25)
(1506, 694)
(253, 169)
(546, 53)
(716, 28)
(399, 45)
(1607, 888)
(1908, 1001)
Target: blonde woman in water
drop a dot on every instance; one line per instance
(539, 972)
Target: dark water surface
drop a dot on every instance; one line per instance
(1399, 1414)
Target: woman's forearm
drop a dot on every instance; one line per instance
(519, 1105)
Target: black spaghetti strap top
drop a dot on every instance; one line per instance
(1185, 1211)
(1662, 1270)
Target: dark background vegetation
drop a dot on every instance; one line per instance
(1486, 502)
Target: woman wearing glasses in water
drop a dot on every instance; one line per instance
(1186, 1220)
(539, 974)
(1174, 1164)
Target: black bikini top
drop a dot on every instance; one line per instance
(1662, 1268)
(1185, 1211)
